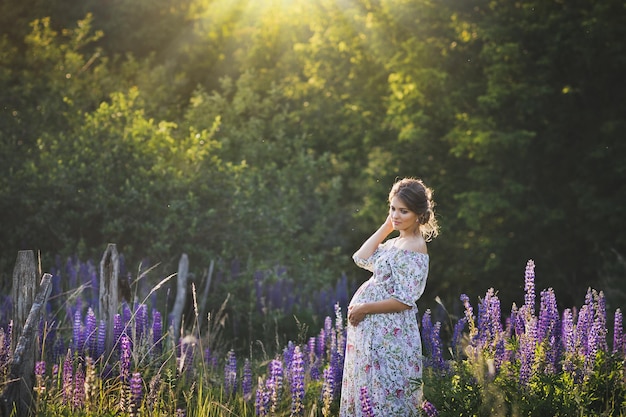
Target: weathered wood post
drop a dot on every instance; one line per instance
(108, 301)
(181, 295)
(23, 291)
(18, 393)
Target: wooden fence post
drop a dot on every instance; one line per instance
(181, 295)
(23, 291)
(109, 272)
(18, 393)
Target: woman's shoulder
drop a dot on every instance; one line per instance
(411, 245)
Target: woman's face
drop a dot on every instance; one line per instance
(401, 217)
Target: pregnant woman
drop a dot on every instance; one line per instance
(384, 349)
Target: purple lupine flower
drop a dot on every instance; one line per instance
(427, 329)
(339, 328)
(314, 370)
(136, 392)
(567, 332)
(600, 321)
(618, 332)
(548, 315)
(320, 346)
(79, 388)
(207, 356)
(529, 287)
(180, 413)
(335, 361)
(157, 333)
(68, 374)
(527, 356)
(366, 403)
(500, 354)
(102, 335)
(230, 373)
(141, 320)
(275, 384)
(328, 389)
(262, 398)
(495, 316)
(186, 351)
(583, 328)
(297, 383)
(469, 315)
(288, 357)
(125, 356)
(458, 333)
(91, 340)
(40, 368)
(118, 329)
(517, 321)
(78, 334)
(246, 382)
(126, 316)
(482, 323)
(437, 346)
(429, 409)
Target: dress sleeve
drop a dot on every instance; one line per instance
(409, 271)
(369, 262)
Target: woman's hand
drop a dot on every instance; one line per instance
(356, 314)
(388, 225)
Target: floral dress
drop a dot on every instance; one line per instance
(384, 352)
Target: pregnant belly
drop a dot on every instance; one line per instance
(368, 292)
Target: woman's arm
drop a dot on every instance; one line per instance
(357, 312)
(370, 245)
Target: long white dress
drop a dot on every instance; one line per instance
(384, 352)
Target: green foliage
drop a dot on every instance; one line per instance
(511, 111)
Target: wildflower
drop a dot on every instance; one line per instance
(154, 389)
(91, 341)
(262, 399)
(157, 332)
(68, 372)
(437, 346)
(618, 331)
(469, 315)
(529, 287)
(230, 373)
(366, 403)
(141, 320)
(297, 383)
(79, 388)
(40, 371)
(458, 332)
(78, 334)
(274, 384)
(328, 389)
(118, 328)
(136, 393)
(125, 356)
(427, 327)
(246, 383)
(101, 342)
(288, 356)
(429, 409)
(90, 381)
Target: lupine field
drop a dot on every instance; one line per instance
(539, 360)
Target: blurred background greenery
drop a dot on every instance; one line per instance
(269, 132)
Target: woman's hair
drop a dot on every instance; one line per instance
(419, 199)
